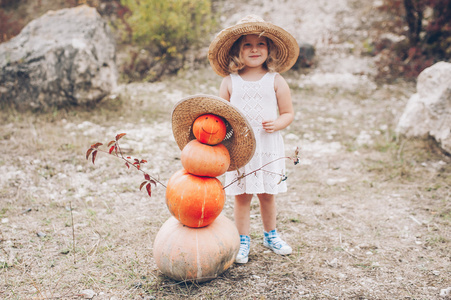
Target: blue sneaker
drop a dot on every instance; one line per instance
(275, 243)
(245, 245)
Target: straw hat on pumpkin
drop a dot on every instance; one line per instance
(239, 139)
(287, 47)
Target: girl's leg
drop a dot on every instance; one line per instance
(271, 239)
(268, 211)
(242, 211)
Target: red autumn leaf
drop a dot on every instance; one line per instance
(128, 157)
(142, 184)
(112, 148)
(119, 136)
(137, 163)
(143, 161)
(111, 142)
(147, 177)
(89, 152)
(96, 145)
(149, 189)
(128, 166)
(94, 154)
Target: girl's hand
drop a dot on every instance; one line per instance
(269, 126)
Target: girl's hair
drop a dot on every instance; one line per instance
(236, 61)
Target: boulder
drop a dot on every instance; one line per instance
(65, 57)
(428, 112)
(306, 56)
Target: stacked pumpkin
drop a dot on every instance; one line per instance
(197, 243)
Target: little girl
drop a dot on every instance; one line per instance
(249, 56)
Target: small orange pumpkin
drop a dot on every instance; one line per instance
(196, 254)
(205, 160)
(209, 129)
(195, 201)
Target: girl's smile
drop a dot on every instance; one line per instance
(254, 50)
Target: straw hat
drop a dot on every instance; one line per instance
(287, 47)
(239, 139)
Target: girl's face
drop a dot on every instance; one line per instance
(254, 50)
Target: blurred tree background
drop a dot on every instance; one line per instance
(424, 31)
(159, 37)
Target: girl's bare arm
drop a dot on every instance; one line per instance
(286, 112)
(225, 90)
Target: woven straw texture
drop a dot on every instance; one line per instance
(218, 52)
(239, 140)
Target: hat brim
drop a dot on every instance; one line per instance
(286, 44)
(239, 140)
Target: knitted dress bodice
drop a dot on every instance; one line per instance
(257, 101)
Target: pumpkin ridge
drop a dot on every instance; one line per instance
(211, 137)
(173, 251)
(195, 203)
(210, 131)
(198, 262)
(179, 211)
(201, 219)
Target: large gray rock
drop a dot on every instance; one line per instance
(306, 56)
(428, 112)
(65, 57)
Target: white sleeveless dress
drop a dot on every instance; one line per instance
(257, 101)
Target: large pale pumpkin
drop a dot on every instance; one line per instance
(205, 160)
(196, 254)
(209, 129)
(195, 201)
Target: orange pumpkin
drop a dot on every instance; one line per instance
(209, 129)
(196, 254)
(194, 200)
(205, 160)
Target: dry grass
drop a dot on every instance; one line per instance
(367, 220)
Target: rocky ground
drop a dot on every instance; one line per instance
(368, 213)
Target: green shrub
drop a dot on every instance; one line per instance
(165, 29)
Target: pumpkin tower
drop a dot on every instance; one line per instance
(198, 243)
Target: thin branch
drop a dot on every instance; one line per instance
(73, 230)
(130, 163)
(255, 171)
(150, 179)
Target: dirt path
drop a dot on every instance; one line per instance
(367, 213)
